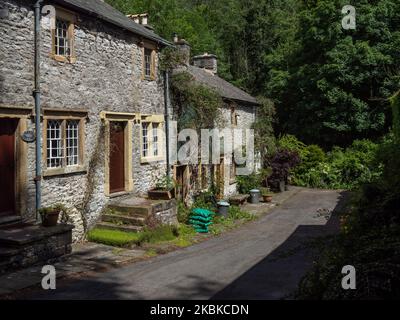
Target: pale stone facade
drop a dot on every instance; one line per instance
(106, 78)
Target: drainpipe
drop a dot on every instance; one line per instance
(166, 105)
(36, 95)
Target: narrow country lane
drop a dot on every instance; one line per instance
(264, 259)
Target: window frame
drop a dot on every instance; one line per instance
(70, 18)
(151, 120)
(153, 67)
(64, 117)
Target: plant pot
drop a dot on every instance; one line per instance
(267, 198)
(157, 194)
(50, 219)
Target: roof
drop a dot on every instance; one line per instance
(105, 12)
(224, 88)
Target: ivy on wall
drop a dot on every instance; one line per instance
(197, 106)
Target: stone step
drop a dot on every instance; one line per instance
(125, 228)
(134, 220)
(132, 211)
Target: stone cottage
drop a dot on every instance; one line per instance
(102, 108)
(238, 112)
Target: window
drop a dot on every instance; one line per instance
(63, 37)
(63, 143)
(149, 64)
(155, 139)
(151, 141)
(145, 143)
(54, 144)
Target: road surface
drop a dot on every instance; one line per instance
(264, 259)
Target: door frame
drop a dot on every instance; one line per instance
(22, 115)
(128, 119)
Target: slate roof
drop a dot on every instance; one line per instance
(224, 88)
(105, 12)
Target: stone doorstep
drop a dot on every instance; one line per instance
(26, 235)
(135, 220)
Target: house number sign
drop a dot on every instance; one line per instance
(28, 136)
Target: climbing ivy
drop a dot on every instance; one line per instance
(197, 106)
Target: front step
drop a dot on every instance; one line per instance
(132, 211)
(124, 228)
(135, 220)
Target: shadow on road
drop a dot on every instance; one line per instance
(278, 274)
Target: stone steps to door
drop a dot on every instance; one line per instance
(135, 220)
(113, 226)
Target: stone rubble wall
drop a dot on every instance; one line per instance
(105, 77)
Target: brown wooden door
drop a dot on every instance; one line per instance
(7, 166)
(117, 157)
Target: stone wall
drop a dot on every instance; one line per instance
(107, 76)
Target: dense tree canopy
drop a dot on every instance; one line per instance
(329, 85)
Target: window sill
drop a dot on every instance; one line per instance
(147, 78)
(151, 159)
(64, 171)
(63, 58)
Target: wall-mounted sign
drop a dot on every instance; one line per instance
(28, 136)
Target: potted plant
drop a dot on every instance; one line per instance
(50, 215)
(266, 194)
(164, 190)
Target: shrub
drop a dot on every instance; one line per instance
(113, 237)
(291, 143)
(282, 163)
(247, 183)
(183, 212)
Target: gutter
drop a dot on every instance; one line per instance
(36, 95)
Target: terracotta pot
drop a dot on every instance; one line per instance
(267, 198)
(50, 219)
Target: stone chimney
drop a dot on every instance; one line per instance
(184, 47)
(206, 61)
(142, 19)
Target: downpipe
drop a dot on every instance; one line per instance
(36, 95)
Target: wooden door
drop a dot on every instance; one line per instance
(117, 157)
(7, 166)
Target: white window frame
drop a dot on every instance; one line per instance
(152, 121)
(68, 143)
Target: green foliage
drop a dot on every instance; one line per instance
(370, 238)
(165, 183)
(198, 107)
(113, 237)
(333, 85)
(247, 183)
(395, 101)
(291, 143)
(235, 213)
(264, 139)
(160, 234)
(183, 212)
(339, 169)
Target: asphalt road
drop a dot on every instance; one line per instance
(264, 259)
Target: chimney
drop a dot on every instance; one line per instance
(206, 61)
(184, 47)
(142, 19)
